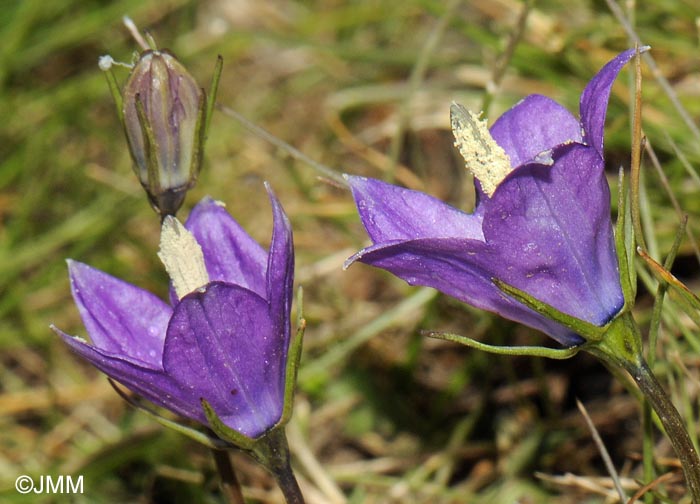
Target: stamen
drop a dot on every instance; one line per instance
(483, 157)
(182, 257)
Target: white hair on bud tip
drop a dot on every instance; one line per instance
(106, 63)
(182, 257)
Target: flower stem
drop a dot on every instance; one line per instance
(272, 451)
(289, 486)
(229, 482)
(673, 423)
(622, 347)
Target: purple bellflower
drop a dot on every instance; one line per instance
(224, 340)
(541, 223)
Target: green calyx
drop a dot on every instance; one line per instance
(618, 340)
(590, 332)
(621, 345)
(529, 351)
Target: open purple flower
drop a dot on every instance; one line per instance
(224, 341)
(543, 225)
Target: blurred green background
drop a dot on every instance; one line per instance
(383, 414)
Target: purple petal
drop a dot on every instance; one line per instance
(552, 230)
(462, 269)
(280, 267)
(223, 346)
(547, 231)
(230, 254)
(534, 125)
(390, 212)
(594, 99)
(120, 318)
(152, 384)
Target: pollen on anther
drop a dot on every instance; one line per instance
(483, 157)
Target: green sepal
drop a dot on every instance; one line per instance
(211, 95)
(588, 331)
(116, 93)
(624, 244)
(199, 138)
(224, 431)
(621, 346)
(151, 41)
(200, 437)
(293, 359)
(530, 351)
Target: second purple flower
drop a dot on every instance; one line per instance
(541, 224)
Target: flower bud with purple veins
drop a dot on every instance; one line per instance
(164, 114)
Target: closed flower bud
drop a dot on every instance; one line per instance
(164, 118)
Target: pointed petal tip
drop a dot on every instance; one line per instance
(74, 266)
(81, 272)
(628, 54)
(69, 338)
(272, 195)
(354, 180)
(57, 331)
(280, 262)
(594, 99)
(277, 208)
(352, 259)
